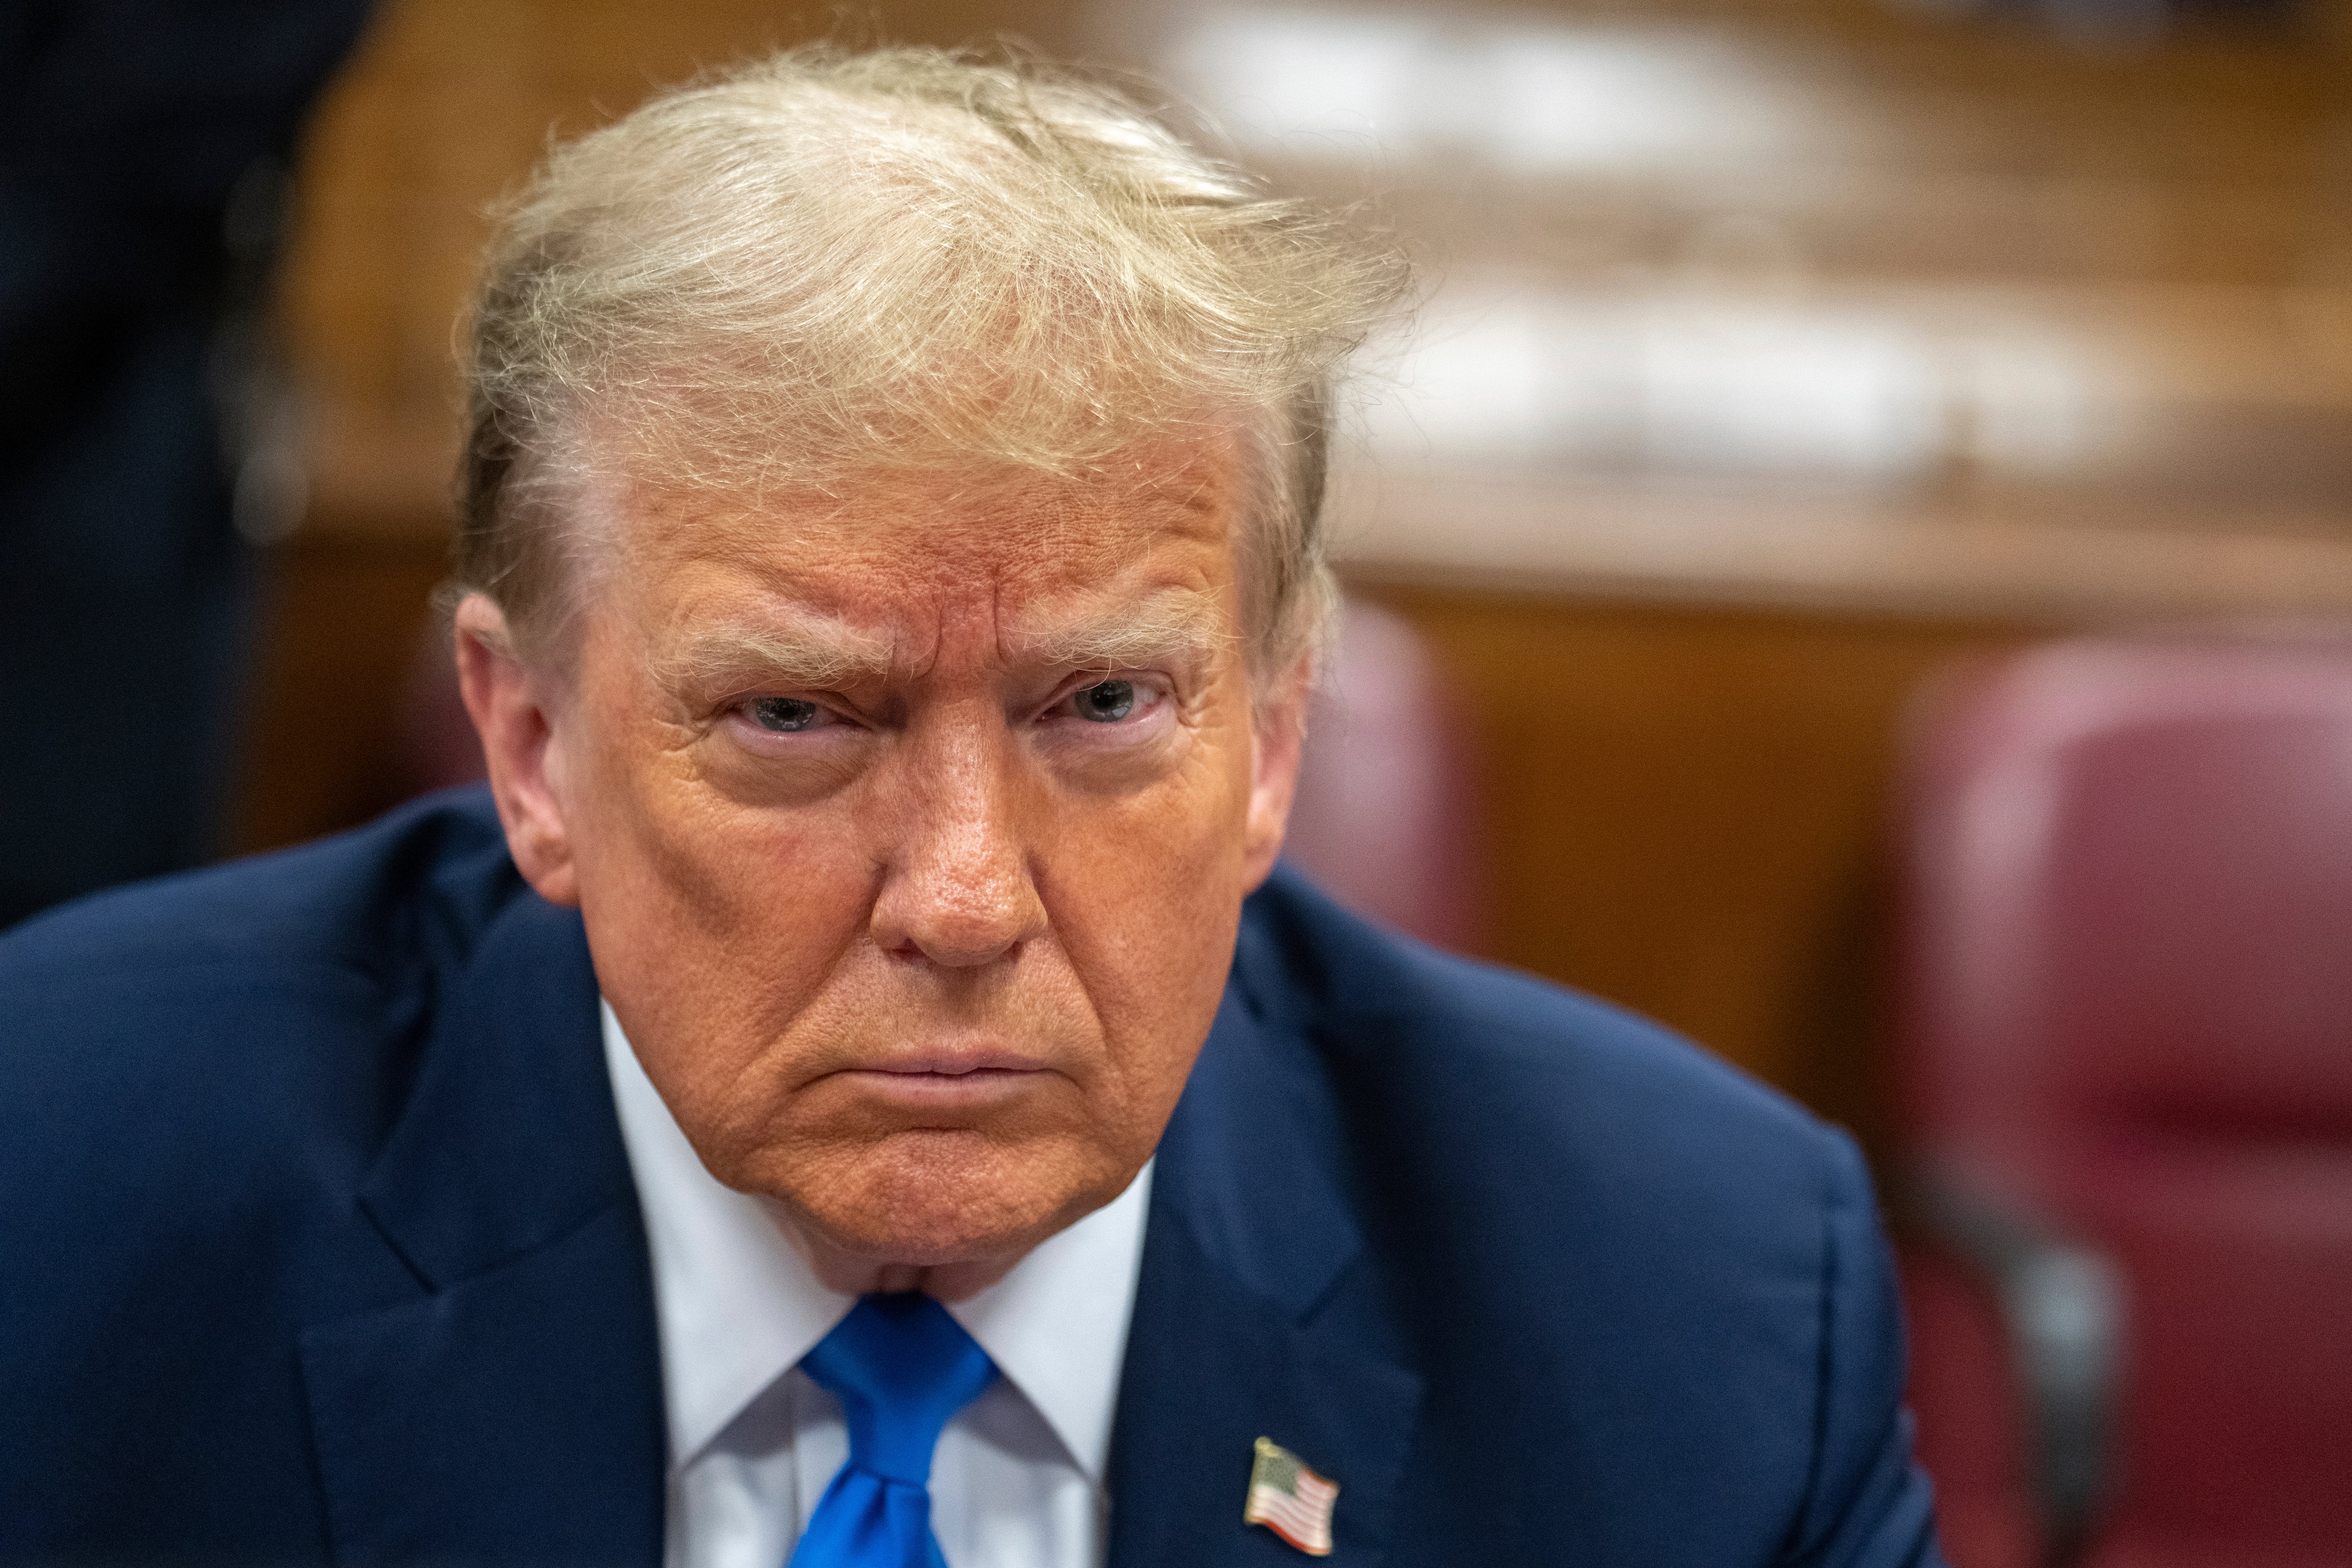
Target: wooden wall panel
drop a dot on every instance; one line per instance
(343, 624)
(1684, 811)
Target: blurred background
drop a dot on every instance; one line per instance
(1826, 415)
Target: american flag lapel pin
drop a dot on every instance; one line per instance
(1290, 1500)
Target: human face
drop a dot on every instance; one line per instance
(911, 834)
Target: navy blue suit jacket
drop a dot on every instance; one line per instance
(318, 1242)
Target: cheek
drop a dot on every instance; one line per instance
(671, 838)
(1144, 893)
(710, 922)
(1171, 845)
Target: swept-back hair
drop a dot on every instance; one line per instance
(825, 265)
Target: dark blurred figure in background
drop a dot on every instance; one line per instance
(143, 443)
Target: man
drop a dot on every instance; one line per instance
(871, 1096)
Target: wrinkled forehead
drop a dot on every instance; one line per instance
(1036, 544)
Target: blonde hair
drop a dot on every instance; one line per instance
(827, 264)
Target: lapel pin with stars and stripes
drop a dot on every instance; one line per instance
(1290, 1500)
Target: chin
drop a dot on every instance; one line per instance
(930, 1199)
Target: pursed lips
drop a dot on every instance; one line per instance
(935, 1077)
(956, 1063)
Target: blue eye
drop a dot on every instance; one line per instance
(1105, 702)
(783, 715)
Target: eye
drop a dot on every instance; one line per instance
(1105, 702)
(783, 715)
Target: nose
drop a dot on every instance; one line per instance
(958, 889)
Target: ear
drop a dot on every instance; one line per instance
(1279, 731)
(513, 711)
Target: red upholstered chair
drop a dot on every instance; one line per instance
(2125, 1037)
(1386, 813)
(1386, 818)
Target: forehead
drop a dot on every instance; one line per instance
(1165, 514)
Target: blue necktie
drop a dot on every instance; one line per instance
(901, 1366)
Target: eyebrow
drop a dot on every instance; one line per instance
(802, 649)
(1173, 624)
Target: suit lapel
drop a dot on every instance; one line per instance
(1254, 1317)
(513, 1409)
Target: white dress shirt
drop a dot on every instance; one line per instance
(1017, 1480)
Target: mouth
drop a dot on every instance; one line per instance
(953, 1063)
(941, 1078)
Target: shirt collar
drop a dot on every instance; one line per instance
(738, 1307)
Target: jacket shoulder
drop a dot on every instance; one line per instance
(424, 878)
(1619, 1259)
(1502, 1046)
(241, 1018)
(1498, 1108)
